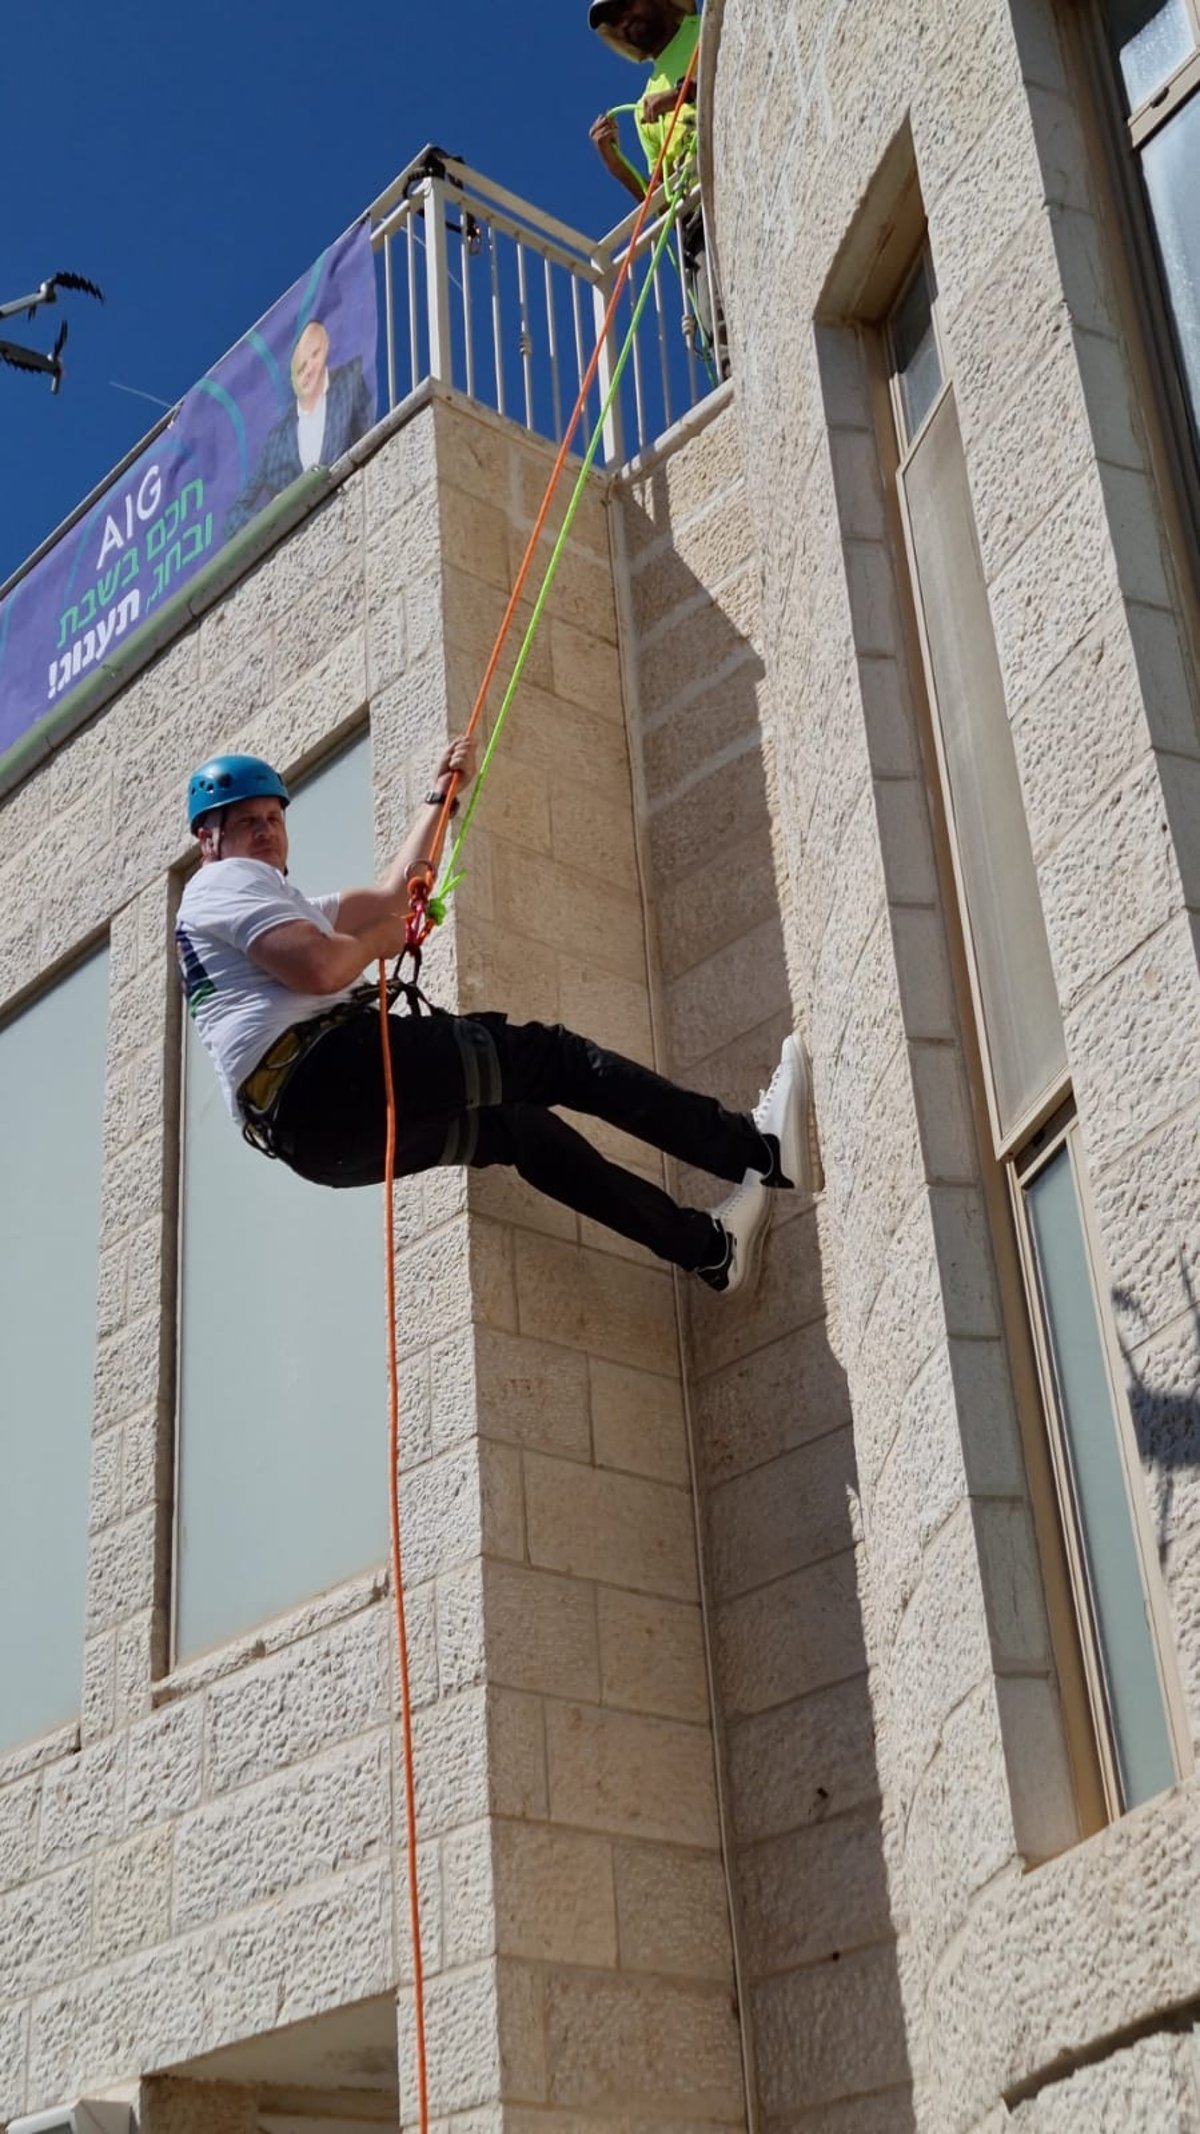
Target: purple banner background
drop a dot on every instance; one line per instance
(230, 448)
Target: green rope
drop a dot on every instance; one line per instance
(437, 904)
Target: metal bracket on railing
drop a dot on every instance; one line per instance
(431, 163)
(434, 164)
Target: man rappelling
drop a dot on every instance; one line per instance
(270, 977)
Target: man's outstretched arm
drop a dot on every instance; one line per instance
(306, 960)
(606, 140)
(370, 922)
(364, 907)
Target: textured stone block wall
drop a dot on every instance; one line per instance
(208, 1855)
(771, 1411)
(209, 1870)
(608, 1910)
(815, 114)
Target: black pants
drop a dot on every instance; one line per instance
(475, 1089)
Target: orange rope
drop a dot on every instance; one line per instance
(410, 1791)
(448, 798)
(389, 1178)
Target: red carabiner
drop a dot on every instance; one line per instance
(418, 925)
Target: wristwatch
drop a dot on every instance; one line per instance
(434, 799)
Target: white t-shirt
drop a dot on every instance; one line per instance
(239, 1010)
(310, 430)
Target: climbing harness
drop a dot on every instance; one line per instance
(425, 912)
(262, 1092)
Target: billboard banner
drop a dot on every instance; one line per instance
(295, 393)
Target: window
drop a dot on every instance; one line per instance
(1092, 1473)
(1099, 1513)
(282, 1470)
(51, 1137)
(1017, 997)
(1156, 46)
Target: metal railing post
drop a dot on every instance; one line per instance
(389, 321)
(437, 197)
(437, 281)
(614, 451)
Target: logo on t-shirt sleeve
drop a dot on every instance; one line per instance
(197, 985)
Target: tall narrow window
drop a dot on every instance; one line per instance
(1024, 1058)
(51, 1132)
(1094, 1473)
(282, 1482)
(1156, 46)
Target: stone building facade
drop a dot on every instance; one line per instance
(787, 1757)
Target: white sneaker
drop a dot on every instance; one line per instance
(781, 1116)
(743, 1220)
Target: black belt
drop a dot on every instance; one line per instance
(261, 1094)
(262, 1091)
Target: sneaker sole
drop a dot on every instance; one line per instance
(748, 1279)
(793, 1142)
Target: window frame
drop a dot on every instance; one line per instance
(1004, 1156)
(1157, 110)
(177, 1662)
(1059, 1132)
(46, 983)
(1153, 112)
(1117, 138)
(1052, 1096)
(1067, 1660)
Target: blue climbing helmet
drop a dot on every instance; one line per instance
(224, 779)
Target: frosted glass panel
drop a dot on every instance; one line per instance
(1151, 38)
(1123, 1631)
(1022, 1024)
(51, 1136)
(1171, 162)
(914, 346)
(282, 1400)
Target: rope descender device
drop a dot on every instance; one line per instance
(425, 909)
(421, 920)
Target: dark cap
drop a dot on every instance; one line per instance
(602, 13)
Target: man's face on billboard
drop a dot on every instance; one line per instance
(309, 359)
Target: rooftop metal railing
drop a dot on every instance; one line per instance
(488, 294)
(483, 292)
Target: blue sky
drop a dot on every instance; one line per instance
(193, 161)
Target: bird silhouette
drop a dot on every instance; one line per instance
(15, 353)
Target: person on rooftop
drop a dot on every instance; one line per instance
(269, 976)
(664, 34)
(661, 34)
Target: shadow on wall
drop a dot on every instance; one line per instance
(1166, 1419)
(771, 1418)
